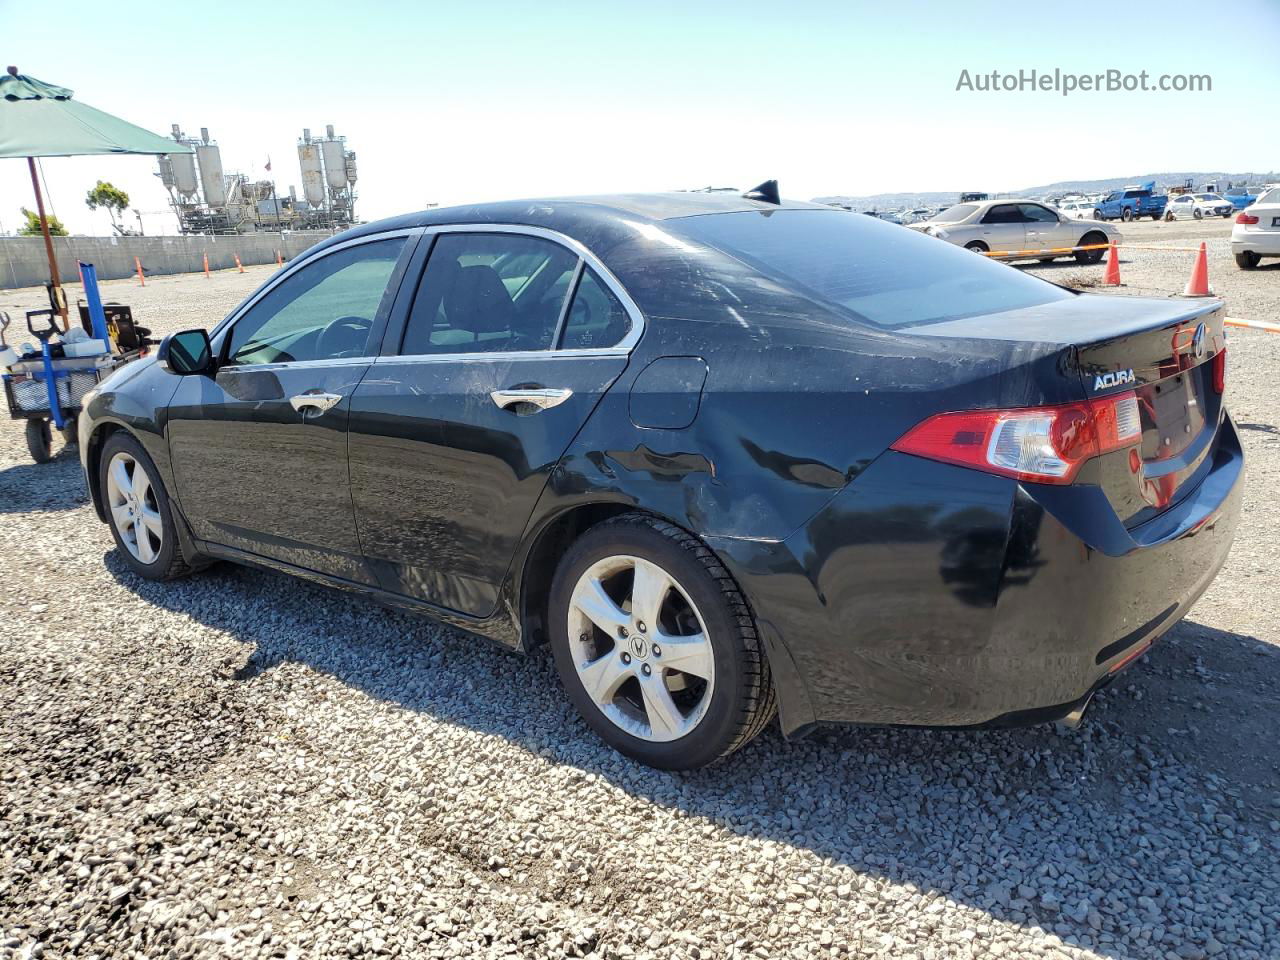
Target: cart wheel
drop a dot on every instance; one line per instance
(39, 440)
(70, 433)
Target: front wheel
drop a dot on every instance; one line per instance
(39, 441)
(1097, 214)
(138, 510)
(1168, 217)
(655, 645)
(1090, 256)
(1198, 214)
(977, 246)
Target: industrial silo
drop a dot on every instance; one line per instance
(209, 158)
(312, 170)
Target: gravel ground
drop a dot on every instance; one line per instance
(241, 764)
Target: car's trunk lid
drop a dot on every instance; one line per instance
(1162, 350)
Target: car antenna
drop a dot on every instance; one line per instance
(767, 192)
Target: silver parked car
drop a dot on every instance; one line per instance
(1018, 225)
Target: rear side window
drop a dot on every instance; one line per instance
(489, 293)
(878, 273)
(596, 317)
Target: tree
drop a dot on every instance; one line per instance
(32, 227)
(109, 196)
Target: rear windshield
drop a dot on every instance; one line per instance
(882, 274)
(955, 214)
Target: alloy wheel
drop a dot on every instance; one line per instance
(640, 648)
(135, 512)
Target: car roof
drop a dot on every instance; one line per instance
(598, 222)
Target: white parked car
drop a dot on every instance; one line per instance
(1078, 209)
(1256, 233)
(1188, 206)
(1016, 225)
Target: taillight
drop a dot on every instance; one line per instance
(1220, 371)
(1247, 218)
(1042, 444)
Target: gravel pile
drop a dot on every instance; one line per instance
(244, 765)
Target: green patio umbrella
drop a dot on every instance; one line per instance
(38, 119)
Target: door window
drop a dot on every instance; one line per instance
(1034, 213)
(596, 318)
(1003, 213)
(324, 311)
(489, 293)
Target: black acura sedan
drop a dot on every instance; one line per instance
(728, 456)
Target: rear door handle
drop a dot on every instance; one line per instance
(313, 403)
(543, 399)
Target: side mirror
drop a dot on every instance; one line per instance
(186, 353)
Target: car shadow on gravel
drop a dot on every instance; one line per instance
(44, 487)
(1130, 836)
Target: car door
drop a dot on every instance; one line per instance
(259, 450)
(513, 337)
(1002, 228)
(1042, 227)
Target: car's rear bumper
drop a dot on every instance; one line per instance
(1264, 242)
(936, 595)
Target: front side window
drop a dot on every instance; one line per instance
(324, 311)
(489, 293)
(596, 318)
(1038, 214)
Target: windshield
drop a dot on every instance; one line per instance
(883, 275)
(955, 214)
(1271, 196)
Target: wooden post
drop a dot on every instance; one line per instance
(48, 240)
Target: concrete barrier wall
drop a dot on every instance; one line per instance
(23, 262)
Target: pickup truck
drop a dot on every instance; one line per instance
(1132, 202)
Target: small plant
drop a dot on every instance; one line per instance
(31, 228)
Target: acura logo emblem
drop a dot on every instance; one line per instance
(1198, 341)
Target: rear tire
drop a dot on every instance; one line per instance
(138, 511)
(1248, 260)
(70, 433)
(39, 441)
(1126, 214)
(616, 674)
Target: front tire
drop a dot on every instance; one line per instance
(977, 246)
(138, 510)
(1198, 214)
(1169, 217)
(1090, 256)
(1097, 214)
(656, 646)
(39, 441)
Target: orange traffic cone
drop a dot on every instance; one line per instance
(137, 263)
(1112, 279)
(279, 260)
(206, 266)
(1198, 285)
(239, 265)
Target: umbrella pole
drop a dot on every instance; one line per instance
(59, 298)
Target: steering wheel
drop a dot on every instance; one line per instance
(344, 337)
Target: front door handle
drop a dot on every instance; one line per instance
(314, 403)
(542, 399)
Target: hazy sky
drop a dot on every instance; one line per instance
(454, 102)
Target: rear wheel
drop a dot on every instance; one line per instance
(70, 432)
(138, 510)
(1126, 214)
(1155, 216)
(655, 645)
(1247, 260)
(39, 441)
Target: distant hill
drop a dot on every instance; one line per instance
(933, 198)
